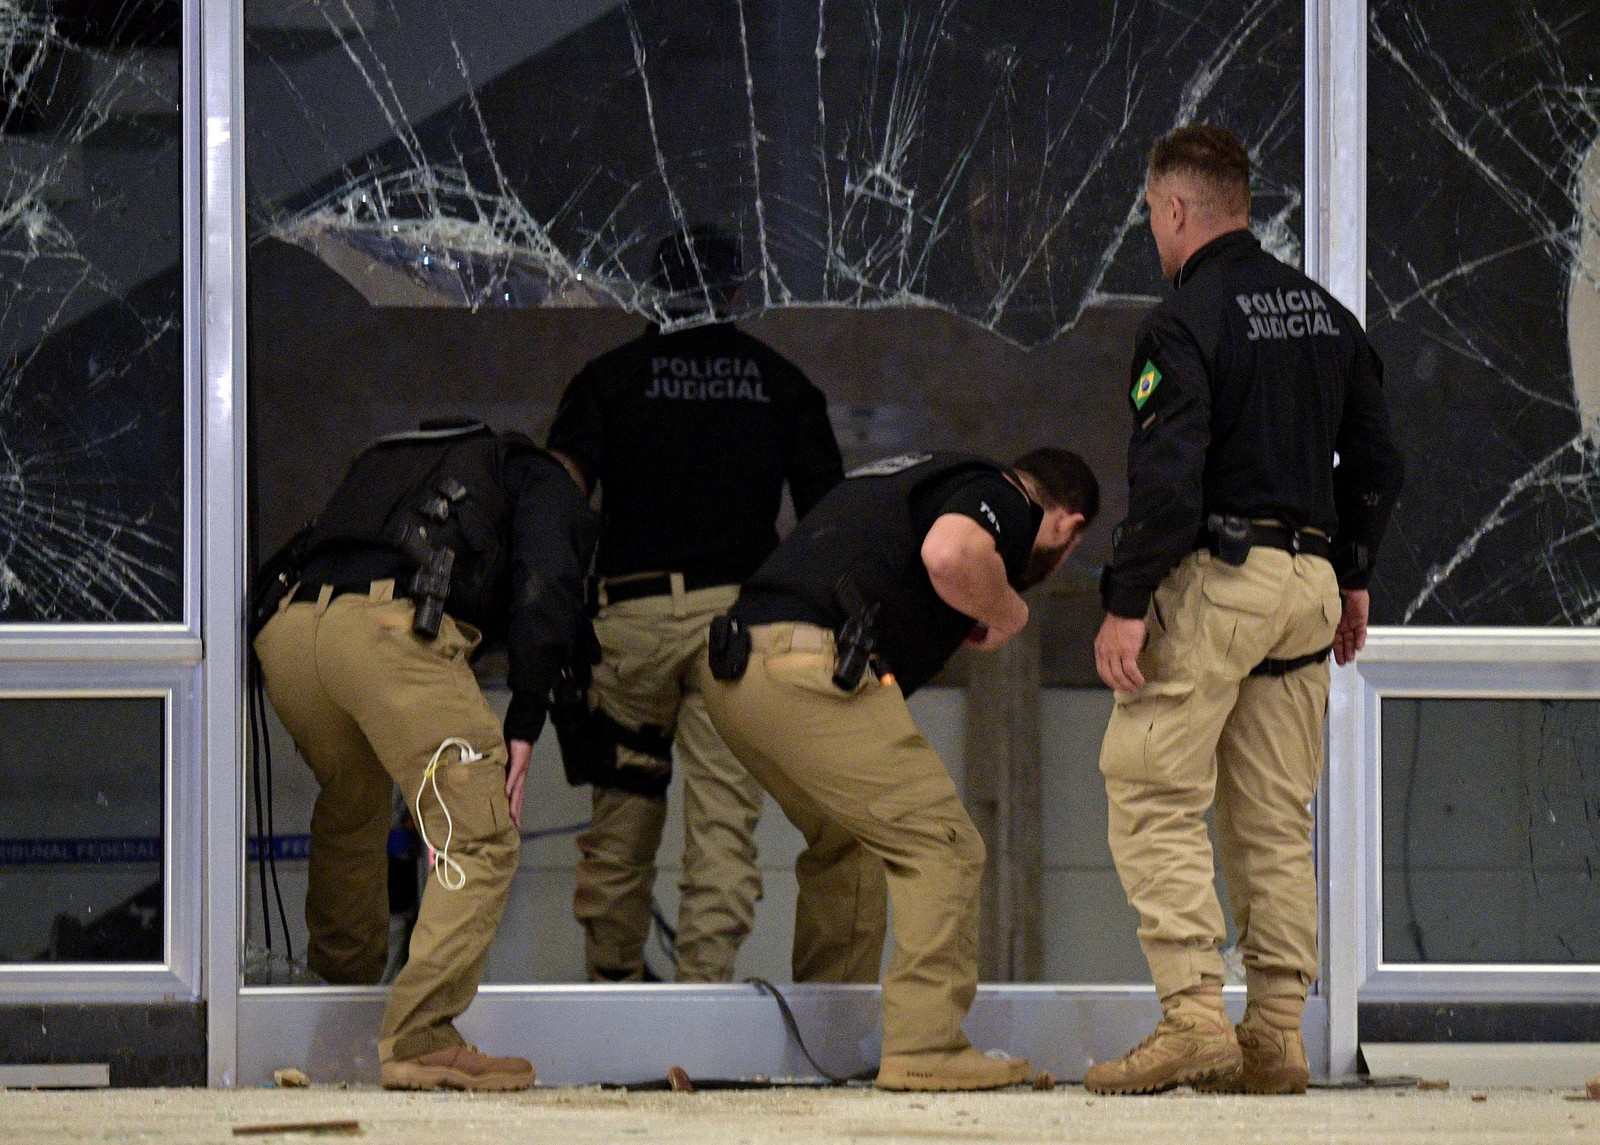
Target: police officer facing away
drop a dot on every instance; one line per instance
(1261, 478)
(691, 436)
(431, 537)
(806, 680)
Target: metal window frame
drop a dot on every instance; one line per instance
(168, 642)
(177, 975)
(1507, 663)
(1520, 663)
(206, 693)
(1336, 256)
(157, 659)
(218, 101)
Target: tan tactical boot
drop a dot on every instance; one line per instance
(951, 1070)
(1193, 1043)
(1274, 1054)
(458, 1067)
(1274, 1061)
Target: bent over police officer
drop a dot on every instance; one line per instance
(806, 680)
(1261, 478)
(432, 538)
(691, 436)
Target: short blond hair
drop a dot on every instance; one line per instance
(1211, 156)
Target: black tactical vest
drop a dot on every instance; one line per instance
(446, 485)
(867, 529)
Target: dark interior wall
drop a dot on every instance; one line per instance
(328, 372)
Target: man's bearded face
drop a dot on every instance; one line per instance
(1042, 561)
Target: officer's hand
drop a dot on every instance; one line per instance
(521, 751)
(1351, 635)
(1116, 653)
(982, 638)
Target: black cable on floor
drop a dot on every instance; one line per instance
(259, 700)
(263, 844)
(683, 1081)
(794, 1032)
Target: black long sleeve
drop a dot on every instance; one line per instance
(1171, 400)
(552, 537)
(815, 465)
(1368, 477)
(579, 427)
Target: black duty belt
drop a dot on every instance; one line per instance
(1277, 537)
(659, 584)
(1271, 667)
(309, 593)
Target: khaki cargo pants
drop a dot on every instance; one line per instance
(1202, 729)
(368, 704)
(651, 646)
(874, 802)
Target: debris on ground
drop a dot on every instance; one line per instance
(329, 1128)
(290, 1078)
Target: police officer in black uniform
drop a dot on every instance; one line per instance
(691, 436)
(1261, 477)
(370, 617)
(806, 680)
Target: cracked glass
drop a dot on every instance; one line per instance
(939, 204)
(982, 158)
(1484, 300)
(91, 377)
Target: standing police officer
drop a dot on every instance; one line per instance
(1261, 477)
(691, 436)
(431, 537)
(879, 585)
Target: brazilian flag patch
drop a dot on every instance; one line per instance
(1149, 379)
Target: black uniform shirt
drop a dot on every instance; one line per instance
(538, 600)
(552, 537)
(691, 436)
(1245, 384)
(871, 528)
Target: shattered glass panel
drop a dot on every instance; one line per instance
(91, 355)
(1491, 830)
(453, 207)
(81, 829)
(981, 157)
(1484, 300)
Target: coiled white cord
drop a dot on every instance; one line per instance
(451, 875)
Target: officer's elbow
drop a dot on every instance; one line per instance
(947, 556)
(940, 559)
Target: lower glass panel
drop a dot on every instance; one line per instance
(1087, 932)
(81, 841)
(1491, 830)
